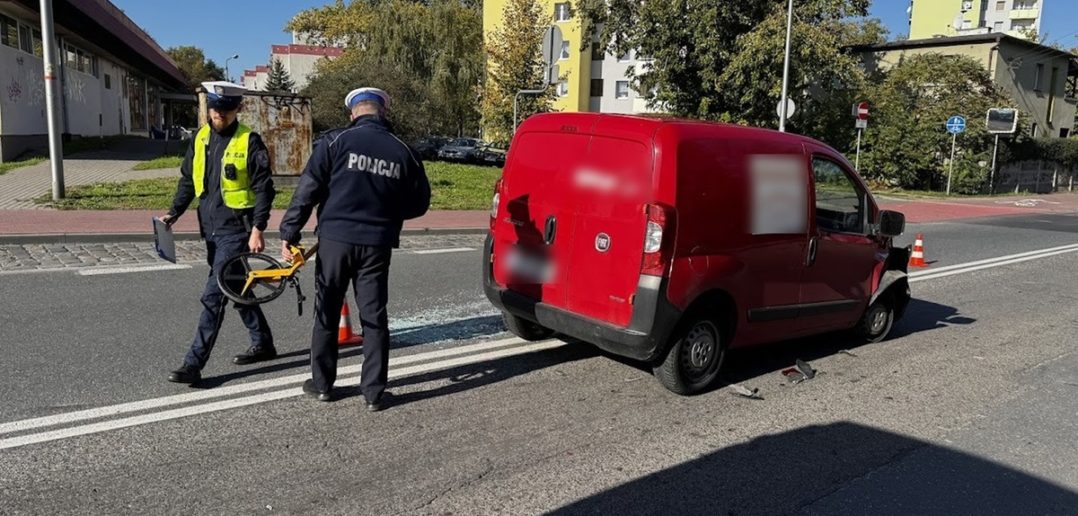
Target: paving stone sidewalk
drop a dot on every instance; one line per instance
(19, 187)
(31, 257)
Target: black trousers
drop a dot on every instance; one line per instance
(367, 268)
(220, 249)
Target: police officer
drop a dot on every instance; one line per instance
(365, 182)
(228, 168)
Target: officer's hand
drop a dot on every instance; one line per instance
(167, 219)
(256, 243)
(286, 252)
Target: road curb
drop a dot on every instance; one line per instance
(97, 238)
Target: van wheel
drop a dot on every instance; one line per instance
(876, 324)
(693, 362)
(525, 329)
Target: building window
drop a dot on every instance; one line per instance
(25, 42)
(108, 82)
(621, 90)
(563, 88)
(624, 58)
(596, 87)
(1052, 95)
(1025, 4)
(997, 27)
(597, 53)
(1034, 130)
(39, 49)
(9, 32)
(564, 51)
(967, 24)
(561, 11)
(1037, 78)
(1001, 5)
(76, 58)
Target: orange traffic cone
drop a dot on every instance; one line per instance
(345, 337)
(917, 259)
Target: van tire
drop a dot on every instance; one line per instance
(526, 329)
(875, 325)
(693, 361)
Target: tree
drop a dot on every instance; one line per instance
(434, 45)
(279, 79)
(722, 60)
(194, 65)
(906, 144)
(514, 63)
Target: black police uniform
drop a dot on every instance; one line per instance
(365, 182)
(227, 232)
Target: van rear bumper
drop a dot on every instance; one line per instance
(645, 339)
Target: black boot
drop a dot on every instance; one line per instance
(186, 374)
(255, 354)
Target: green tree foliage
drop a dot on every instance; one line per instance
(906, 144)
(722, 60)
(427, 55)
(194, 65)
(515, 63)
(279, 79)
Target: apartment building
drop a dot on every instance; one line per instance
(946, 18)
(299, 59)
(592, 80)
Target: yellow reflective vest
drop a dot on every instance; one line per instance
(236, 193)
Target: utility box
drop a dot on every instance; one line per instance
(284, 122)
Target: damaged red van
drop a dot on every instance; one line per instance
(673, 241)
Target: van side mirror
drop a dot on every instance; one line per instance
(892, 223)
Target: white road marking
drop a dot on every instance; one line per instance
(166, 415)
(443, 251)
(98, 271)
(156, 403)
(1007, 259)
(944, 274)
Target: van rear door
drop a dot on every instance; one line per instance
(533, 233)
(609, 195)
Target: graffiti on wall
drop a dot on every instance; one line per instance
(25, 85)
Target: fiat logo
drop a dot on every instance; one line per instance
(602, 242)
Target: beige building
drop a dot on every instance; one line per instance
(1040, 79)
(944, 18)
(299, 59)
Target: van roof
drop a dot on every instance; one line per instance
(643, 124)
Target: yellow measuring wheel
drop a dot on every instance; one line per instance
(256, 278)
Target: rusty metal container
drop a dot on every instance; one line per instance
(283, 121)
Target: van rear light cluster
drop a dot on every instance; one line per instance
(656, 241)
(494, 202)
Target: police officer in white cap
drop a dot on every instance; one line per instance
(365, 182)
(227, 168)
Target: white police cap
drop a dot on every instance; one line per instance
(366, 94)
(223, 89)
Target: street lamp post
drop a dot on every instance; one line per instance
(54, 100)
(516, 100)
(786, 67)
(228, 77)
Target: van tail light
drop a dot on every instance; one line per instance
(657, 239)
(495, 202)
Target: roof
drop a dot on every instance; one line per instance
(105, 25)
(951, 41)
(310, 50)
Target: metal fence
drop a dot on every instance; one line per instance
(1034, 177)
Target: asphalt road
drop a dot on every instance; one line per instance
(969, 409)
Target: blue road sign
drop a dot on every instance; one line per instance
(956, 124)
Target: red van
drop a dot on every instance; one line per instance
(672, 241)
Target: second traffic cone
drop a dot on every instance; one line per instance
(917, 258)
(345, 337)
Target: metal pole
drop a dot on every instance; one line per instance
(954, 139)
(857, 161)
(53, 101)
(516, 98)
(786, 66)
(992, 173)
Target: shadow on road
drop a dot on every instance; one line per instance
(477, 375)
(924, 315)
(464, 329)
(841, 468)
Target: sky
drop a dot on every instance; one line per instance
(223, 28)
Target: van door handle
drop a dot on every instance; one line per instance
(814, 243)
(550, 230)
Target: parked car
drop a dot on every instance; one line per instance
(463, 150)
(428, 147)
(673, 241)
(490, 155)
